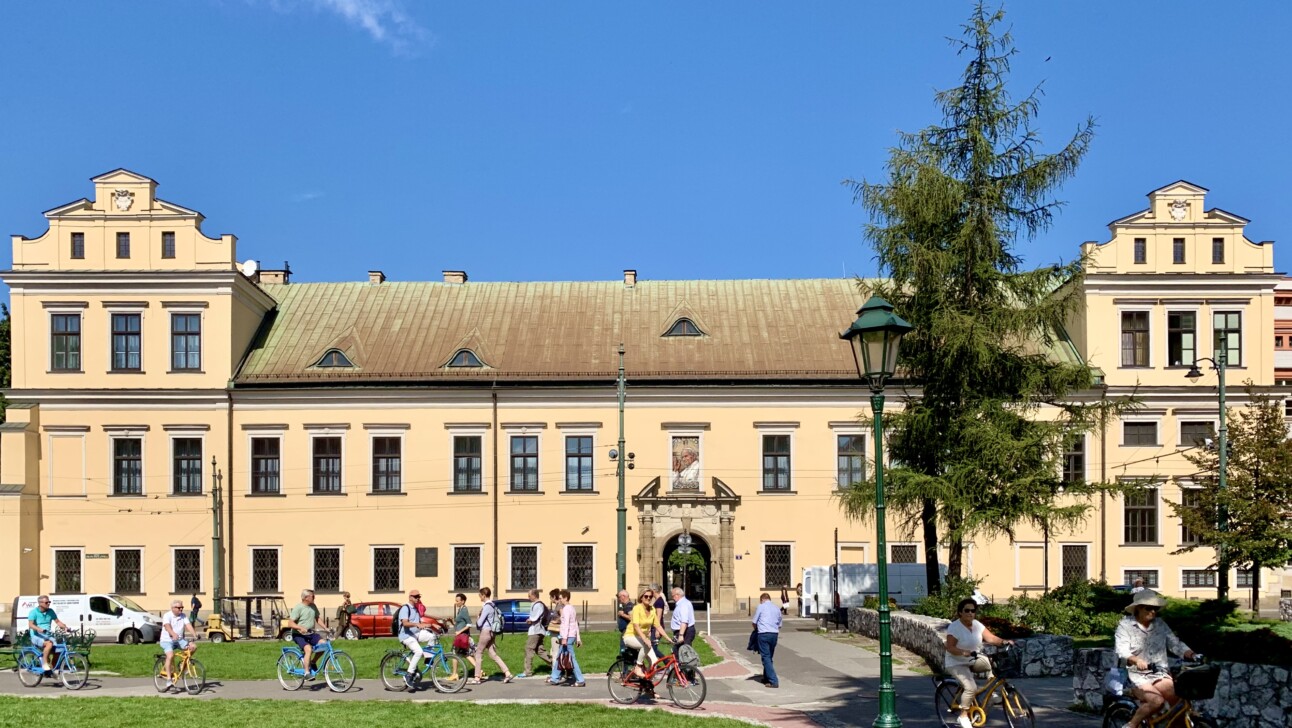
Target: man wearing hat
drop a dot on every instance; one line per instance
(1144, 642)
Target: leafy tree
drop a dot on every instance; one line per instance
(688, 562)
(974, 457)
(1257, 498)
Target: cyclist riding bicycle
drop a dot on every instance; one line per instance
(965, 636)
(411, 634)
(644, 622)
(174, 626)
(302, 621)
(39, 621)
(1144, 641)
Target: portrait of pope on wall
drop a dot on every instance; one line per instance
(686, 463)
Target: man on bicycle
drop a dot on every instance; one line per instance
(302, 620)
(410, 623)
(174, 626)
(39, 620)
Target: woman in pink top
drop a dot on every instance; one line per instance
(569, 640)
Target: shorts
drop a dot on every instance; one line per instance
(169, 646)
(38, 641)
(313, 639)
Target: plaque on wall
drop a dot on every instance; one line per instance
(426, 561)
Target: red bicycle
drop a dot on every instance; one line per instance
(681, 672)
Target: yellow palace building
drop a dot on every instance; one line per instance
(375, 435)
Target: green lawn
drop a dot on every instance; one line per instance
(256, 659)
(131, 712)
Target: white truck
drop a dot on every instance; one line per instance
(855, 582)
(114, 618)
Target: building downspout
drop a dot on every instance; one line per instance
(1103, 478)
(493, 396)
(228, 494)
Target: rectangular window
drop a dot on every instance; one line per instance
(264, 571)
(466, 568)
(578, 567)
(265, 466)
(385, 569)
(1181, 338)
(851, 459)
(78, 246)
(1217, 250)
(186, 341)
(1198, 578)
(1287, 408)
(777, 570)
(327, 569)
(1141, 251)
(126, 342)
(1148, 575)
(1074, 460)
(168, 245)
(578, 462)
(123, 245)
(387, 464)
(1141, 516)
(776, 462)
(524, 462)
(1076, 562)
(1177, 251)
(1228, 329)
(467, 463)
(1189, 498)
(1139, 434)
(1244, 579)
(127, 570)
(186, 468)
(65, 342)
(67, 571)
(1135, 338)
(187, 570)
(127, 466)
(1278, 342)
(904, 553)
(1196, 434)
(524, 568)
(327, 465)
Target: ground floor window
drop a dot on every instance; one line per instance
(578, 567)
(327, 569)
(188, 571)
(127, 565)
(385, 569)
(524, 568)
(1148, 575)
(776, 564)
(466, 568)
(904, 553)
(67, 571)
(1198, 578)
(1076, 562)
(264, 571)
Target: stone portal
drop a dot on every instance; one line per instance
(708, 517)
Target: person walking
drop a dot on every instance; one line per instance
(569, 640)
(683, 620)
(195, 606)
(344, 614)
(554, 624)
(539, 616)
(767, 624)
(661, 610)
(461, 632)
(486, 623)
(785, 600)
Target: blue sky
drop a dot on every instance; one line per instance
(568, 141)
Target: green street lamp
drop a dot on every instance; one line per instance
(1222, 446)
(875, 337)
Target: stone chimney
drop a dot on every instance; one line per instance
(455, 276)
(376, 276)
(630, 277)
(279, 277)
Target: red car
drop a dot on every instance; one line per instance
(373, 619)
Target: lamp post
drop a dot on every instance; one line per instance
(1222, 445)
(875, 337)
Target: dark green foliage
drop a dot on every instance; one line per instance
(942, 603)
(1005, 628)
(1091, 596)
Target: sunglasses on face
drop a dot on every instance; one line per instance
(415, 596)
(1151, 609)
(969, 611)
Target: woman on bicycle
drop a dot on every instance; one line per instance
(965, 636)
(644, 623)
(1144, 641)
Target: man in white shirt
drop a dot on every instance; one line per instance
(688, 476)
(683, 621)
(174, 626)
(538, 619)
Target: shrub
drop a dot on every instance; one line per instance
(944, 603)
(873, 603)
(1004, 628)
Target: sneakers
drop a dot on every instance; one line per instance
(964, 722)
(523, 675)
(580, 685)
(409, 679)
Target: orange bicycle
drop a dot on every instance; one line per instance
(680, 671)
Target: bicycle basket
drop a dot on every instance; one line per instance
(687, 657)
(1197, 683)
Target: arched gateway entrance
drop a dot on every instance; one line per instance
(708, 517)
(694, 582)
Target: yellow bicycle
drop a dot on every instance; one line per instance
(1018, 712)
(189, 672)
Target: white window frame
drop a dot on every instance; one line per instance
(526, 429)
(52, 463)
(170, 341)
(919, 550)
(1157, 424)
(128, 433)
(682, 430)
(372, 567)
(117, 307)
(538, 566)
(1179, 427)
(762, 554)
(66, 310)
(1089, 557)
(319, 431)
(1166, 329)
(251, 569)
(1241, 310)
(201, 570)
(566, 547)
(845, 428)
(480, 430)
(1085, 459)
(53, 568)
(1152, 484)
(453, 560)
(568, 431)
(840, 546)
(143, 586)
(374, 432)
(176, 433)
(1127, 580)
(1186, 589)
(1153, 325)
(267, 432)
(778, 428)
(1019, 547)
(340, 566)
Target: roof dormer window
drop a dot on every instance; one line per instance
(465, 358)
(334, 358)
(684, 327)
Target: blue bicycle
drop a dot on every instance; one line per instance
(335, 666)
(72, 668)
(448, 671)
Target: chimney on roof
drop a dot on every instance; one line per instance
(630, 277)
(455, 276)
(280, 276)
(376, 276)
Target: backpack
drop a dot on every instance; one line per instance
(495, 619)
(546, 619)
(395, 625)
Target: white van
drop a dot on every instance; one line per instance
(113, 618)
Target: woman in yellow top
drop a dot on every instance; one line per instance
(644, 618)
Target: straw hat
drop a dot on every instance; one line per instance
(1146, 598)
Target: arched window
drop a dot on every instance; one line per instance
(684, 327)
(465, 358)
(334, 358)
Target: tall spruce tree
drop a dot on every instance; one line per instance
(1257, 498)
(972, 456)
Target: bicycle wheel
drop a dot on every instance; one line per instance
(161, 683)
(393, 667)
(449, 673)
(194, 677)
(1018, 712)
(621, 690)
(76, 671)
(339, 672)
(943, 700)
(687, 688)
(29, 671)
(1118, 715)
(291, 671)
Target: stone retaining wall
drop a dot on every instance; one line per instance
(1247, 696)
(1040, 656)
